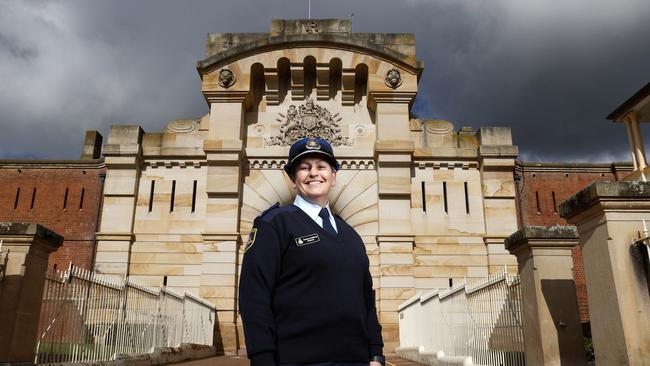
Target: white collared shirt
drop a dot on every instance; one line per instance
(312, 210)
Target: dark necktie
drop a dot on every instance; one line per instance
(327, 224)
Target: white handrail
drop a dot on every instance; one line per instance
(89, 317)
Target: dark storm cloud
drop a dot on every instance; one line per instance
(549, 69)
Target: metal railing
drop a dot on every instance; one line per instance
(90, 317)
(481, 321)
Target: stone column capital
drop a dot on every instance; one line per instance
(232, 96)
(29, 235)
(390, 96)
(547, 237)
(395, 146)
(599, 196)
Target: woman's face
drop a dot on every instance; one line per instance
(313, 178)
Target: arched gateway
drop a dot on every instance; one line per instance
(432, 204)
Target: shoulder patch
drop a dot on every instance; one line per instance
(251, 239)
(276, 205)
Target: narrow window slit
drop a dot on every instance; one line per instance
(81, 199)
(554, 202)
(451, 282)
(65, 198)
(31, 206)
(171, 202)
(444, 194)
(17, 198)
(537, 201)
(194, 197)
(466, 199)
(153, 186)
(424, 198)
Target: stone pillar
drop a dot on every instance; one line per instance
(639, 149)
(552, 331)
(497, 162)
(393, 153)
(123, 158)
(609, 217)
(396, 283)
(218, 285)
(226, 158)
(27, 248)
(92, 146)
(630, 139)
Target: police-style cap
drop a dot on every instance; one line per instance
(310, 145)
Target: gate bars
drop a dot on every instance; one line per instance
(90, 317)
(482, 321)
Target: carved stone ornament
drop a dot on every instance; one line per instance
(226, 78)
(393, 78)
(308, 120)
(311, 27)
(182, 126)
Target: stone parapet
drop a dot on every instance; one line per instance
(224, 46)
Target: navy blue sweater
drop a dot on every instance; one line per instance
(306, 296)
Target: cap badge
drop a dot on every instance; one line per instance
(312, 145)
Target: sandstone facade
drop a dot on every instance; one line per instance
(432, 203)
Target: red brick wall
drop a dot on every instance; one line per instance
(77, 222)
(538, 184)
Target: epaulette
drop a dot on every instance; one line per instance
(276, 205)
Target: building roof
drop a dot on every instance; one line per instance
(639, 103)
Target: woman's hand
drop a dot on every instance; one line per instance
(375, 363)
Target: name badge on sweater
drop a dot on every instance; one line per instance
(307, 239)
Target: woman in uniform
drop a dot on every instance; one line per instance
(305, 293)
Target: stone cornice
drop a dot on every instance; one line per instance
(542, 236)
(523, 166)
(107, 236)
(278, 163)
(614, 195)
(390, 96)
(174, 163)
(28, 229)
(395, 238)
(498, 151)
(266, 43)
(394, 146)
(53, 164)
(228, 96)
(211, 237)
(446, 164)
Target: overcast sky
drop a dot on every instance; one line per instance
(550, 69)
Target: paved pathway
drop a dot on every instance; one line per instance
(391, 360)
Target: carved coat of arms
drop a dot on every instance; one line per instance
(308, 120)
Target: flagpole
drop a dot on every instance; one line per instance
(309, 12)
